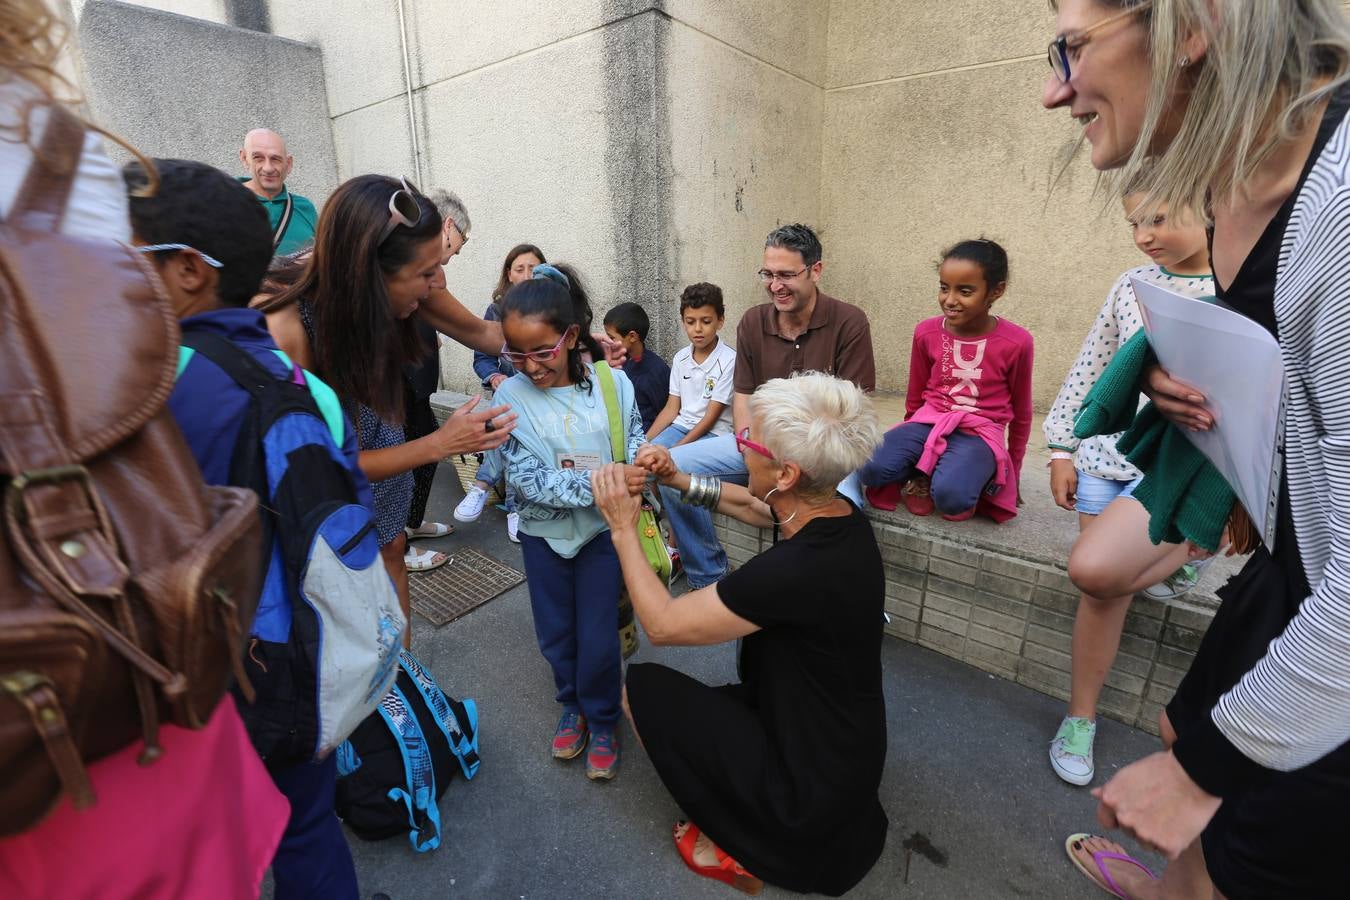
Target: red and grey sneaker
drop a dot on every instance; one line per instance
(602, 760)
(570, 738)
(917, 497)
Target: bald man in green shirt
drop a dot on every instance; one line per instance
(269, 165)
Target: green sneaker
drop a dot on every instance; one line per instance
(1071, 750)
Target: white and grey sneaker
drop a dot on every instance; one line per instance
(471, 507)
(1071, 750)
(1180, 582)
(513, 526)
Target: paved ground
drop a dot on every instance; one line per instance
(966, 778)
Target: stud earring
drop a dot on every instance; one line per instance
(1184, 62)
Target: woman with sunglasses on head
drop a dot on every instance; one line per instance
(377, 252)
(778, 774)
(562, 439)
(1236, 112)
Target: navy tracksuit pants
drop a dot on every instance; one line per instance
(313, 861)
(958, 479)
(576, 619)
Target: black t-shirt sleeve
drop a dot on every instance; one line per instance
(772, 589)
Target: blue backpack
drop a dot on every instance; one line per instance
(325, 639)
(398, 763)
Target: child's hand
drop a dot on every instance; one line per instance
(1063, 483)
(636, 478)
(657, 460)
(620, 508)
(495, 381)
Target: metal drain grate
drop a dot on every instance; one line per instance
(466, 582)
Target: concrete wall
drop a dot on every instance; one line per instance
(933, 133)
(547, 126)
(742, 83)
(198, 101)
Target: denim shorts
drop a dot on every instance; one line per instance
(1095, 492)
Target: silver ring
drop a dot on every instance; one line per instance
(489, 427)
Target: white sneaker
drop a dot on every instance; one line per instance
(471, 507)
(513, 526)
(1071, 750)
(1180, 582)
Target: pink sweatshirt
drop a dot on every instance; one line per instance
(989, 375)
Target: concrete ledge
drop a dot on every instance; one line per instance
(999, 598)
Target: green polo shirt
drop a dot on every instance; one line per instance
(300, 233)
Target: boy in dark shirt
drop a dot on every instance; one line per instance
(628, 324)
(209, 240)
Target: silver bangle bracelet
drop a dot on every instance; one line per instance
(703, 490)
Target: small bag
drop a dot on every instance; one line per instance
(648, 526)
(399, 761)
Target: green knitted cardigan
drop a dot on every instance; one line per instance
(1186, 497)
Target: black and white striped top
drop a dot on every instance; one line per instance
(1293, 707)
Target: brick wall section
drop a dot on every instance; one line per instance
(1014, 617)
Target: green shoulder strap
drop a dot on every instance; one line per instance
(618, 436)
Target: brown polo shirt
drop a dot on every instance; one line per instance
(837, 341)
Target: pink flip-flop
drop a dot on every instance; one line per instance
(1101, 876)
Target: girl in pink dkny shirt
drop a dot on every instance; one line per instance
(968, 406)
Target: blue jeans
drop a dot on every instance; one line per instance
(670, 436)
(701, 553)
(576, 619)
(491, 470)
(313, 859)
(958, 478)
(1095, 493)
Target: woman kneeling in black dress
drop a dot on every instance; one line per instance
(778, 774)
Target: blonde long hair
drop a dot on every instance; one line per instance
(32, 36)
(1268, 66)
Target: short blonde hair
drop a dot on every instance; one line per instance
(1255, 88)
(826, 425)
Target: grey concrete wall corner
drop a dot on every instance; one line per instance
(638, 170)
(176, 86)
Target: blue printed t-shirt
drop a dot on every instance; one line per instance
(555, 501)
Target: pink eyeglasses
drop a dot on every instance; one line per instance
(743, 443)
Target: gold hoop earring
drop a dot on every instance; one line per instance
(773, 515)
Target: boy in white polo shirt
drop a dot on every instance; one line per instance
(700, 375)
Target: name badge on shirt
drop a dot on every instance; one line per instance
(586, 462)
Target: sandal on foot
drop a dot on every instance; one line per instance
(727, 870)
(429, 530)
(1100, 875)
(423, 560)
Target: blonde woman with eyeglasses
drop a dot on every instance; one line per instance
(1236, 112)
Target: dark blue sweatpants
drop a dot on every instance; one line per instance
(576, 619)
(313, 860)
(959, 477)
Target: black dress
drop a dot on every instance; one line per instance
(1282, 834)
(782, 770)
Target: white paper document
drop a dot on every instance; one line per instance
(1235, 364)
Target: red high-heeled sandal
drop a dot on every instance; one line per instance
(727, 870)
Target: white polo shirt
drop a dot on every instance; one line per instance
(696, 384)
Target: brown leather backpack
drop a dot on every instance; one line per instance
(126, 584)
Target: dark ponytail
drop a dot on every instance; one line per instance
(989, 256)
(561, 306)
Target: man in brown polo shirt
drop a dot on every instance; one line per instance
(798, 330)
